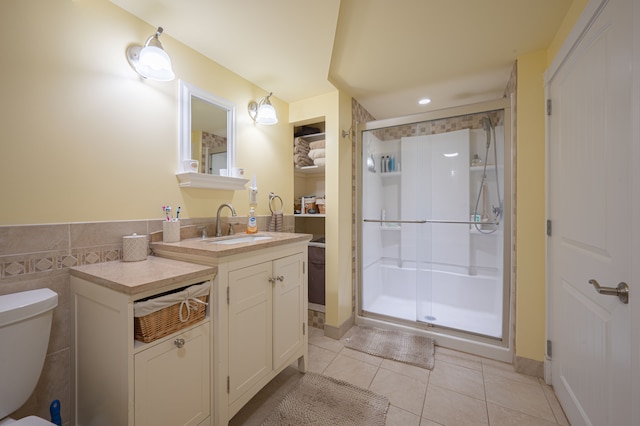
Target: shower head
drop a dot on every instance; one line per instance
(486, 123)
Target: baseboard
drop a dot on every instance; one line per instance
(338, 332)
(529, 367)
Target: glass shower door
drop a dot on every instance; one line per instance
(423, 256)
(390, 230)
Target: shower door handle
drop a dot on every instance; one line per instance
(394, 221)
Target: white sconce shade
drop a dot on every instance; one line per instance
(150, 60)
(262, 112)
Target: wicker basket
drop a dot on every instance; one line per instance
(169, 319)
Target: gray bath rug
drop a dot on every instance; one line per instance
(395, 345)
(319, 400)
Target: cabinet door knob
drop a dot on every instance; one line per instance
(280, 278)
(179, 342)
(272, 280)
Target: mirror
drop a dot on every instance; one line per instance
(207, 130)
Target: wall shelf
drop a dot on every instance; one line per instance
(309, 170)
(202, 180)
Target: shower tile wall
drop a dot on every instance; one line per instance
(438, 126)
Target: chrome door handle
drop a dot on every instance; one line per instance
(622, 291)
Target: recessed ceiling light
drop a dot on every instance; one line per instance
(424, 101)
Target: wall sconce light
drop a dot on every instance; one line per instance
(262, 112)
(150, 60)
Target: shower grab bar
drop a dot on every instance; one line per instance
(394, 221)
(461, 222)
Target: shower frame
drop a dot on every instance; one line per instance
(496, 348)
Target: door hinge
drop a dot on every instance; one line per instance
(304, 329)
(549, 348)
(548, 106)
(228, 297)
(548, 227)
(228, 384)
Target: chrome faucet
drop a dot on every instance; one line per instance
(218, 224)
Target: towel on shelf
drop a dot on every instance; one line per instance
(320, 162)
(316, 153)
(300, 153)
(302, 160)
(316, 144)
(301, 149)
(277, 221)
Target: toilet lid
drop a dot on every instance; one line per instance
(32, 421)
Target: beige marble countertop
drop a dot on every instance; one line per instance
(208, 247)
(138, 277)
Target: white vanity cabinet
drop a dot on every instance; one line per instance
(262, 318)
(117, 380)
(172, 383)
(266, 322)
(259, 314)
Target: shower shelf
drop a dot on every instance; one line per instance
(390, 174)
(481, 168)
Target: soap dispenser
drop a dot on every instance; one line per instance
(252, 225)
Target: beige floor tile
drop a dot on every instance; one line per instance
(524, 397)
(361, 356)
(422, 374)
(458, 379)
(446, 407)
(505, 370)
(459, 358)
(325, 342)
(561, 418)
(503, 416)
(399, 417)
(427, 422)
(351, 370)
(403, 391)
(319, 358)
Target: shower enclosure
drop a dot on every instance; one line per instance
(432, 222)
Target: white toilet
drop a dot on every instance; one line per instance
(25, 326)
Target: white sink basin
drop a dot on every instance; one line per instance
(242, 239)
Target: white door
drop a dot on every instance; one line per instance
(591, 166)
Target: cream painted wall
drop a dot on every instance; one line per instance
(335, 109)
(530, 208)
(531, 194)
(84, 138)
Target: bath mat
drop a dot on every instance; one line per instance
(319, 400)
(395, 345)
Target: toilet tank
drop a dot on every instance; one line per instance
(25, 326)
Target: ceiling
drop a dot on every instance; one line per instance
(386, 54)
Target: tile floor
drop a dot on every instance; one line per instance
(462, 389)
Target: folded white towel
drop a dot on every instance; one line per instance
(316, 144)
(316, 153)
(319, 162)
